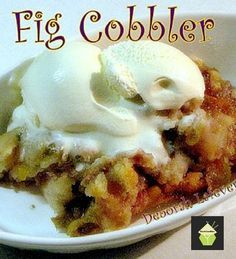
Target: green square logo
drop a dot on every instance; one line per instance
(207, 233)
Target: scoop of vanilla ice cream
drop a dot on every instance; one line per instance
(59, 88)
(79, 97)
(162, 75)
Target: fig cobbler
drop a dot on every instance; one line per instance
(108, 135)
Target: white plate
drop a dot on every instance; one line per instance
(23, 226)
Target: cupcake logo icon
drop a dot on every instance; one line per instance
(208, 234)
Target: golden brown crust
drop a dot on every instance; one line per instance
(112, 192)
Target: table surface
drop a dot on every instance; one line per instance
(175, 243)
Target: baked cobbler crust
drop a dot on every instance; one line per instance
(111, 192)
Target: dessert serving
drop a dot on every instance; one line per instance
(107, 135)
